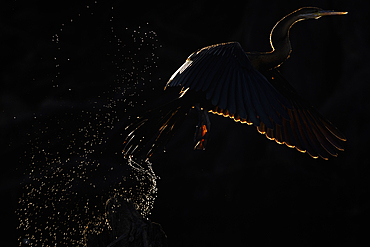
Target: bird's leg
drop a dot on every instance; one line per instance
(202, 129)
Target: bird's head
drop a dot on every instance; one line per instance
(315, 13)
(279, 36)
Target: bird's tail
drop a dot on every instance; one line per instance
(153, 129)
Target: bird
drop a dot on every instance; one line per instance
(247, 87)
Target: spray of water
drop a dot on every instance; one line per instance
(69, 180)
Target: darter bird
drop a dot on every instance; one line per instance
(223, 79)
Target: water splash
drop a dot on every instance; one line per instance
(69, 180)
(64, 198)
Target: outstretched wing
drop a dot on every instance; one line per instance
(239, 91)
(307, 130)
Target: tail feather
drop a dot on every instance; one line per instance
(153, 129)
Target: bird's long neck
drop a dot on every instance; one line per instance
(280, 44)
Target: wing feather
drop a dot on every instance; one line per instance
(252, 116)
(302, 136)
(209, 74)
(199, 67)
(256, 102)
(311, 136)
(231, 105)
(240, 94)
(277, 101)
(265, 102)
(185, 77)
(225, 89)
(213, 92)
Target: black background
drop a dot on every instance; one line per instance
(243, 190)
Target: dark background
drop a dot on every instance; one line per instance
(243, 190)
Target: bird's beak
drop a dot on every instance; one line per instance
(330, 12)
(320, 13)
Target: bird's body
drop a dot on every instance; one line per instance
(223, 79)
